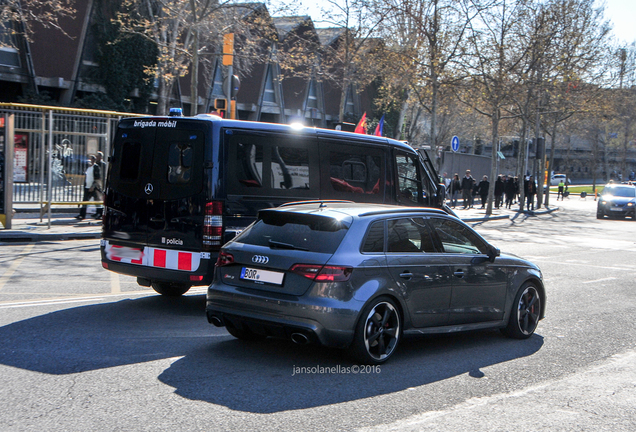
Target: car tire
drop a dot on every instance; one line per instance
(377, 332)
(599, 215)
(525, 313)
(243, 334)
(170, 289)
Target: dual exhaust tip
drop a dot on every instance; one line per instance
(297, 338)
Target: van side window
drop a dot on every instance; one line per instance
(409, 181)
(354, 173)
(249, 164)
(179, 163)
(131, 154)
(290, 168)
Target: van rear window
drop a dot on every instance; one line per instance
(131, 154)
(180, 163)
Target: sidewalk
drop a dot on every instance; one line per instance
(26, 225)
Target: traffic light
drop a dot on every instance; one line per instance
(220, 105)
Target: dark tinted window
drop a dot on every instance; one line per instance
(457, 238)
(374, 241)
(130, 157)
(180, 163)
(249, 164)
(355, 173)
(409, 182)
(295, 231)
(409, 235)
(290, 168)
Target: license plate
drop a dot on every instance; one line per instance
(123, 252)
(616, 209)
(262, 276)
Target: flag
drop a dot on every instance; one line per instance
(362, 125)
(379, 127)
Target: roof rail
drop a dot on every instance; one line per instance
(321, 202)
(404, 210)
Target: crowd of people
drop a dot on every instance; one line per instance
(507, 191)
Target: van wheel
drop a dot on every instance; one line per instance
(170, 289)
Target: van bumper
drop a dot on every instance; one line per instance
(206, 273)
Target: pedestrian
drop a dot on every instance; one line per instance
(531, 191)
(468, 183)
(102, 169)
(510, 191)
(483, 187)
(455, 188)
(499, 191)
(92, 185)
(561, 189)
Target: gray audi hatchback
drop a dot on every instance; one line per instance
(360, 276)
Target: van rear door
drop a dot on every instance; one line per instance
(154, 190)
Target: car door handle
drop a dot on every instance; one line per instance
(406, 275)
(157, 219)
(459, 273)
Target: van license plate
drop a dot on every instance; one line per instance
(262, 276)
(123, 252)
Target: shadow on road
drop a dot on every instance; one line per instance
(258, 377)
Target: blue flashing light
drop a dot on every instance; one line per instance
(176, 112)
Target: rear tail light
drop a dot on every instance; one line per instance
(196, 278)
(213, 225)
(224, 259)
(320, 273)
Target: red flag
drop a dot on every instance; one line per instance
(362, 125)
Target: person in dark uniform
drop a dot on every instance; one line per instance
(499, 191)
(531, 191)
(468, 183)
(483, 187)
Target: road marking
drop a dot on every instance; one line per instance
(88, 298)
(115, 288)
(599, 280)
(14, 266)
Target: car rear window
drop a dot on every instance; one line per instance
(280, 230)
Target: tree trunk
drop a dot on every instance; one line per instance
(493, 161)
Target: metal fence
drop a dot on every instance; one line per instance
(52, 146)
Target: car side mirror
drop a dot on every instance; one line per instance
(493, 253)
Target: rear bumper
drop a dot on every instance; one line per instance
(162, 275)
(325, 321)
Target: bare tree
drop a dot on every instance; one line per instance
(17, 17)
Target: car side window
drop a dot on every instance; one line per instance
(457, 238)
(374, 241)
(409, 235)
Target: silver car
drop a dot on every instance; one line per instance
(360, 276)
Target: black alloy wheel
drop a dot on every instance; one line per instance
(378, 332)
(525, 314)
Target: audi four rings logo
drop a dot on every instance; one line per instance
(149, 188)
(260, 259)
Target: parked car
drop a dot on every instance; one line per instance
(617, 201)
(556, 179)
(360, 276)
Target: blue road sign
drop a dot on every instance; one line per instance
(455, 143)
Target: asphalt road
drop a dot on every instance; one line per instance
(84, 349)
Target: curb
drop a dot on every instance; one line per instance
(25, 236)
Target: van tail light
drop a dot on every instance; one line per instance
(319, 273)
(224, 259)
(213, 225)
